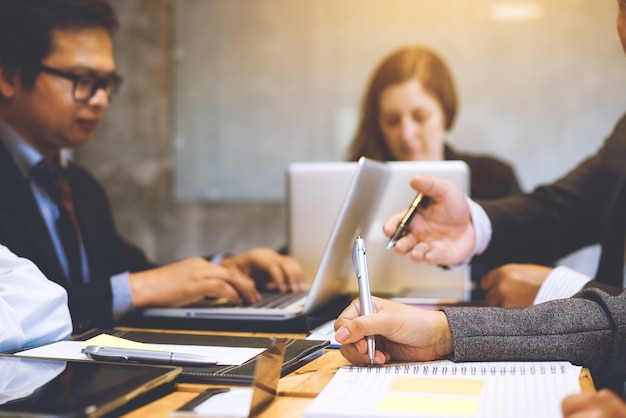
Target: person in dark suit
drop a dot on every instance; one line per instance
(57, 75)
(408, 110)
(407, 113)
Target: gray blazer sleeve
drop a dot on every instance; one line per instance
(588, 330)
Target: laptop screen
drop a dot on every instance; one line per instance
(316, 191)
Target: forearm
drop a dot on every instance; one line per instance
(587, 330)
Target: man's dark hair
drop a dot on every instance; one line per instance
(26, 29)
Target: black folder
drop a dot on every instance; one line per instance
(298, 353)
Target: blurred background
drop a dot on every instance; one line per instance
(220, 95)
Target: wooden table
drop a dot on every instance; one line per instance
(295, 391)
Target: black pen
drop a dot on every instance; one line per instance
(147, 356)
(403, 225)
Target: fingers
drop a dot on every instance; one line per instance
(488, 280)
(575, 403)
(350, 336)
(351, 326)
(357, 354)
(420, 252)
(216, 280)
(287, 274)
(493, 298)
(604, 403)
(353, 310)
(184, 282)
(490, 284)
(428, 185)
(264, 264)
(223, 289)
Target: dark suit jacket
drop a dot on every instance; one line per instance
(23, 230)
(490, 178)
(586, 206)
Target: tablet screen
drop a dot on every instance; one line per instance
(58, 388)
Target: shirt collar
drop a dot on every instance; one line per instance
(24, 154)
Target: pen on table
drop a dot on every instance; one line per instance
(147, 356)
(359, 260)
(403, 225)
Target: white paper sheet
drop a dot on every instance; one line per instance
(72, 350)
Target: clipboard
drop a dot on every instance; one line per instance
(298, 352)
(241, 402)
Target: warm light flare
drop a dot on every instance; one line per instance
(516, 11)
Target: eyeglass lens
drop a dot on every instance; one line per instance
(85, 87)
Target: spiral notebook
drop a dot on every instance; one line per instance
(447, 389)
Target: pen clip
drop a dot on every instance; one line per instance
(93, 352)
(357, 250)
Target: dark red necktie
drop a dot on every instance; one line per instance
(54, 180)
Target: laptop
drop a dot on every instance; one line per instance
(32, 387)
(329, 279)
(315, 193)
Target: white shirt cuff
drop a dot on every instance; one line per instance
(482, 230)
(122, 295)
(561, 283)
(482, 226)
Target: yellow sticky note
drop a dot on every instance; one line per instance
(443, 386)
(106, 340)
(425, 405)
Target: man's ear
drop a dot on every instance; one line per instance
(9, 80)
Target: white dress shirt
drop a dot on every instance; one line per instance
(33, 309)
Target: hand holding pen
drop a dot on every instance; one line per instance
(403, 225)
(359, 261)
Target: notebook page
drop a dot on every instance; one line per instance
(446, 389)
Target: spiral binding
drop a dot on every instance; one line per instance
(464, 369)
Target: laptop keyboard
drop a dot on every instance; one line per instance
(272, 299)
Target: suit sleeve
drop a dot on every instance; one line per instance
(107, 251)
(556, 219)
(588, 329)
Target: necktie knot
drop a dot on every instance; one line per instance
(52, 177)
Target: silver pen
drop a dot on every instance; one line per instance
(359, 260)
(147, 356)
(403, 225)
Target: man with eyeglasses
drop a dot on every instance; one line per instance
(57, 77)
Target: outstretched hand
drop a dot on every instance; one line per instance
(441, 232)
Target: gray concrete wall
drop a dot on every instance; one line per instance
(571, 93)
(132, 153)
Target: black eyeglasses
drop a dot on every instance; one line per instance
(84, 86)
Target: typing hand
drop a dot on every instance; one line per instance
(442, 231)
(268, 267)
(513, 285)
(402, 332)
(189, 281)
(603, 404)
